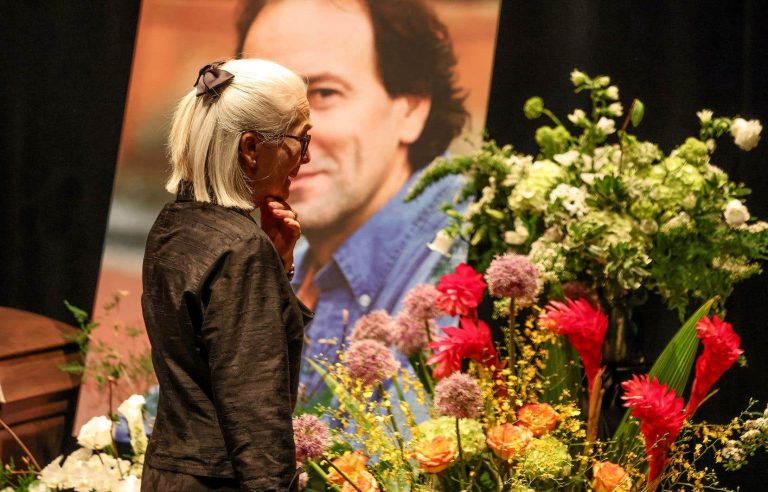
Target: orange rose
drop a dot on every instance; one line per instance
(610, 477)
(350, 463)
(539, 418)
(364, 481)
(436, 454)
(507, 440)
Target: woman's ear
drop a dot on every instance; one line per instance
(249, 149)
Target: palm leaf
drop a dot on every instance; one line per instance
(673, 367)
(562, 371)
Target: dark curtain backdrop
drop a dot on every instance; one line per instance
(677, 57)
(64, 79)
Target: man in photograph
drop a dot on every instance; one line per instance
(384, 104)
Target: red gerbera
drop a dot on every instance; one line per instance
(585, 328)
(661, 416)
(460, 292)
(721, 350)
(471, 341)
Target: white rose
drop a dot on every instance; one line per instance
(612, 92)
(577, 116)
(705, 115)
(735, 213)
(96, 433)
(606, 125)
(745, 133)
(442, 243)
(616, 109)
(35, 487)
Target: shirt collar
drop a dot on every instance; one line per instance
(367, 257)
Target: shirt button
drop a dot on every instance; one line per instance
(364, 300)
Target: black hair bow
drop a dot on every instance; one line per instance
(211, 79)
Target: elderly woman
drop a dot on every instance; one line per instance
(225, 326)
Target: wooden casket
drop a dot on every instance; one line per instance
(37, 399)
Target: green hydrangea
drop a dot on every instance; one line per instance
(532, 192)
(694, 152)
(676, 179)
(472, 435)
(545, 459)
(533, 108)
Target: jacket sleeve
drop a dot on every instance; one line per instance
(249, 366)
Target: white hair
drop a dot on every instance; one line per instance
(205, 134)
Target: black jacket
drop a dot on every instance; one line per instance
(226, 331)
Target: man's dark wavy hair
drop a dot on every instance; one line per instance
(414, 55)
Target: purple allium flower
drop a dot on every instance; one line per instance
(370, 361)
(311, 437)
(376, 325)
(515, 276)
(459, 396)
(419, 302)
(410, 333)
(303, 480)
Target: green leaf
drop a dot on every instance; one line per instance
(72, 368)
(80, 315)
(562, 371)
(673, 368)
(343, 395)
(638, 111)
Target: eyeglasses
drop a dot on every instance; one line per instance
(304, 139)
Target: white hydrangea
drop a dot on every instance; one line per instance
(746, 134)
(606, 125)
(519, 235)
(705, 115)
(578, 117)
(616, 109)
(573, 199)
(735, 213)
(566, 158)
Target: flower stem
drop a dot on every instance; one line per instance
(20, 443)
(426, 374)
(392, 420)
(324, 475)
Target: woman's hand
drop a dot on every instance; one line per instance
(281, 224)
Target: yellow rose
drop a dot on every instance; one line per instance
(435, 454)
(610, 477)
(507, 440)
(539, 418)
(364, 481)
(350, 463)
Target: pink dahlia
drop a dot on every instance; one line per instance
(584, 326)
(661, 416)
(459, 396)
(471, 341)
(311, 437)
(515, 276)
(376, 325)
(370, 361)
(421, 302)
(460, 292)
(721, 350)
(410, 333)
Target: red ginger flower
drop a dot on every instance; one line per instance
(721, 349)
(661, 416)
(585, 328)
(471, 341)
(460, 292)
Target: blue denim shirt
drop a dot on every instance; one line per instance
(374, 269)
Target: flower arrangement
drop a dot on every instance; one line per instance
(96, 465)
(472, 413)
(601, 206)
